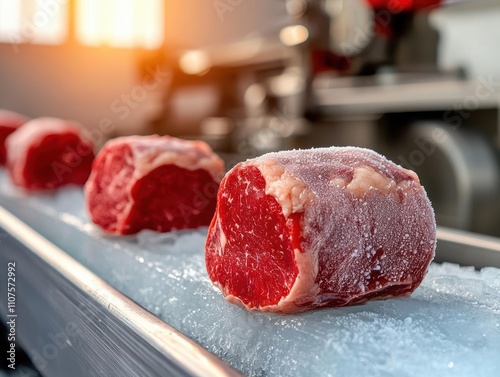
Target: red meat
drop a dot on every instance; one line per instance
(304, 229)
(47, 153)
(153, 182)
(9, 122)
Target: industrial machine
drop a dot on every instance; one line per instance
(368, 73)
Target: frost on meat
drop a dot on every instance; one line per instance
(153, 182)
(9, 122)
(303, 229)
(47, 153)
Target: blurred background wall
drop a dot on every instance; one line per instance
(70, 79)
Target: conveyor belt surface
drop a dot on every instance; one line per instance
(449, 327)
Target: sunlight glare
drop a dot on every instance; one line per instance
(121, 23)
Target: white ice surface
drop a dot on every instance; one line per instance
(450, 326)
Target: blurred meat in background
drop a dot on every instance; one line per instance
(417, 80)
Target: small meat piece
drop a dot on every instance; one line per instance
(9, 122)
(153, 182)
(298, 230)
(47, 153)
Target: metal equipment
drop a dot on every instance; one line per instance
(344, 72)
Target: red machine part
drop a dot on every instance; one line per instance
(397, 6)
(388, 11)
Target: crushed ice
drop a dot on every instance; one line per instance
(450, 326)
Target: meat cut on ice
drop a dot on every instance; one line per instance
(297, 230)
(47, 153)
(9, 122)
(153, 182)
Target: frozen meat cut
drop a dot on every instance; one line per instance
(47, 153)
(9, 122)
(303, 229)
(154, 182)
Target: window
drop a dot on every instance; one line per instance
(33, 21)
(120, 23)
(114, 23)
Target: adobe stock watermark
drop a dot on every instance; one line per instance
(66, 337)
(484, 90)
(46, 11)
(221, 7)
(279, 125)
(454, 117)
(202, 199)
(58, 342)
(121, 107)
(363, 35)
